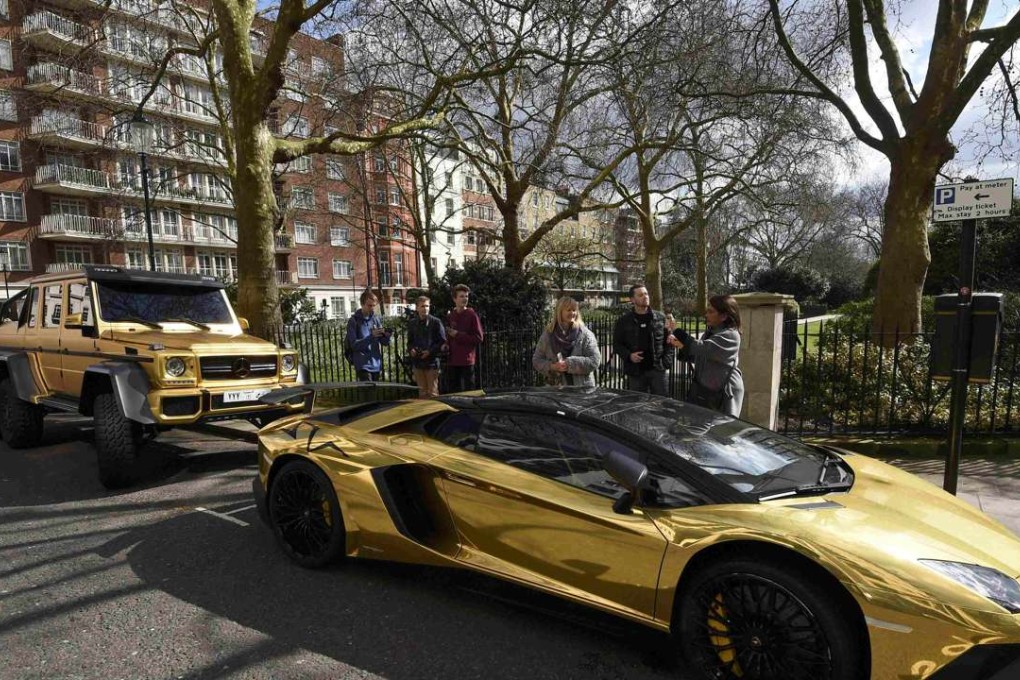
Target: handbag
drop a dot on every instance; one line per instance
(699, 395)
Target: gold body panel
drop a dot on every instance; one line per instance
(518, 526)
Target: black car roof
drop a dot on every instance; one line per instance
(592, 402)
(122, 275)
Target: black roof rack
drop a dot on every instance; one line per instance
(123, 275)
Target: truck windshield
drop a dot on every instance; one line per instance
(156, 303)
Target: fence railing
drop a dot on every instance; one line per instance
(840, 382)
(504, 358)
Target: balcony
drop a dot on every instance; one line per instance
(395, 280)
(284, 243)
(69, 179)
(51, 78)
(68, 132)
(76, 227)
(53, 32)
(286, 278)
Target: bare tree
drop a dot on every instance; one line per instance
(914, 132)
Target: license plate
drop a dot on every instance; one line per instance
(244, 395)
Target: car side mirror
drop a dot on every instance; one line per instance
(631, 474)
(243, 323)
(72, 321)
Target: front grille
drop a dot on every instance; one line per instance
(238, 367)
(180, 406)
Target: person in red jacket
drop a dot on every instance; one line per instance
(463, 335)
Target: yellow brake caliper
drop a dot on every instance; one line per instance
(716, 621)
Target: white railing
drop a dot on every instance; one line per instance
(45, 21)
(48, 73)
(284, 242)
(54, 267)
(286, 278)
(81, 225)
(72, 175)
(68, 127)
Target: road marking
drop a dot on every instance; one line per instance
(247, 507)
(222, 516)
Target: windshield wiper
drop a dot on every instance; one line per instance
(806, 490)
(196, 324)
(139, 320)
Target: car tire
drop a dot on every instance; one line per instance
(754, 619)
(305, 515)
(118, 442)
(20, 421)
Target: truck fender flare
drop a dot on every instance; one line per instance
(130, 387)
(19, 371)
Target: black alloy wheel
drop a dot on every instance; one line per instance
(305, 515)
(748, 621)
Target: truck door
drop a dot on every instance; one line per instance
(48, 336)
(78, 349)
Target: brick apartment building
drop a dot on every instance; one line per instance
(71, 75)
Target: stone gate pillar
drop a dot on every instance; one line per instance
(761, 349)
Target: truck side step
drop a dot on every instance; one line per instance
(60, 404)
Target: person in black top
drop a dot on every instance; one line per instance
(639, 339)
(425, 340)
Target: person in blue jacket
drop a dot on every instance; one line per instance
(366, 336)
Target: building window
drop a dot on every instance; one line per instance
(135, 259)
(338, 307)
(302, 197)
(304, 233)
(337, 203)
(339, 236)
(471, 238)
(451, 238)
(300, 164)
(449, 207)
(379, 163)
(343, 269)
(382, 229)
(5, 10)
(395, 224)
(14, 254)
(296, 126)
(308, 267)
(334, 169)
(10, 156)
(394, 196)
(8, 107)
(12, 206)
(6, 58)
(490, 215)
(293, 90)
(380, 195)
(435, 265)
(318, 67)
(74, 255)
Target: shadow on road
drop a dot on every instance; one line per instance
(397, 621)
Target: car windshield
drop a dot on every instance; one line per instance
(155, 303)
(749, 458)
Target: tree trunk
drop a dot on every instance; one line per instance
(905, 255)
(653, 273)
(257, 290)
(701, 304)
(513, 257)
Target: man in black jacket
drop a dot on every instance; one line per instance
(425, 340)
(639, 339)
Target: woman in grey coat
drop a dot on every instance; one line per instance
(718, 382)
(567, 353)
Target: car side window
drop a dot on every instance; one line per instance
(31, 311)
(11, 310)
(456, 429)
(550, 447)
(79, 302)
(52, 303)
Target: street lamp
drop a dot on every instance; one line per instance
(142, 136)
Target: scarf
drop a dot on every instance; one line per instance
(563, 339)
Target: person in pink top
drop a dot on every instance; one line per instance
(463, 335)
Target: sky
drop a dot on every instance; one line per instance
(912, 31)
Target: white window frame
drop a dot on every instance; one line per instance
(15, 254)
(310, 263)
(302, 191)
(8, 106)
(305, 233)
(334, 169)
(74, 254)
(12, 206)
(6, 55)
(343, 269)
(339, 236)
(10, 151)
(337, 203)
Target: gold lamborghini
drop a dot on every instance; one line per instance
(766, 558)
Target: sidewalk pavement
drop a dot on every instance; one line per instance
(989, 483)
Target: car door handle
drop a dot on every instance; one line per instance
(461, 480)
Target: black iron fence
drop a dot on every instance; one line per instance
(504, 359)
(836, 381)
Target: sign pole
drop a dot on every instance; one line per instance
(961, 358)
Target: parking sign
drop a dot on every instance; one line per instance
(973, 200)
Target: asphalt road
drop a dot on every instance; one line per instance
(177, 578)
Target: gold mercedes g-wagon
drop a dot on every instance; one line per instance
(138, 351)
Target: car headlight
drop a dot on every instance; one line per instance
(990, 583)
(288, 362)
(175, 367)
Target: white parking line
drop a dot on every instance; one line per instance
(223, 516)
(247, 507)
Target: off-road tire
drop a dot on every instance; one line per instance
(20, 421)
(118, 441)
(737, 612)
(305, 515)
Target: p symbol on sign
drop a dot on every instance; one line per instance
(945, 196)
